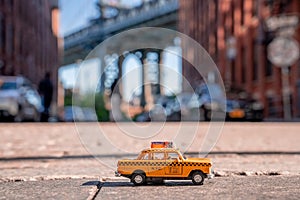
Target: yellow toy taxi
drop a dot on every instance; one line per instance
(161, 162)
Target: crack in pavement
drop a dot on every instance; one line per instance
(44, 178)
(95, 191)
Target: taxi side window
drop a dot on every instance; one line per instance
(172, 156)
(159, 156)
(144, 156)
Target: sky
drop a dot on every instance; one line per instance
(76, 14)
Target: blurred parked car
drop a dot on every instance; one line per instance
(254, 110)
(165, 109)
(19, 100)
(189, 106)
(79, 114)
(212, 100)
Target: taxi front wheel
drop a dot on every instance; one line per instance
(138, 179)
(198, 178)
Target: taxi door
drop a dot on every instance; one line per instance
(174, 164)
(157, 164)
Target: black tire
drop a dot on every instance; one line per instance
(204, 114)
(207, 115)
(37, 117)
(198, 178)
(259, 116)
(19, 117)
(138, 179)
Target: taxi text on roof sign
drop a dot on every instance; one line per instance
(164, 144)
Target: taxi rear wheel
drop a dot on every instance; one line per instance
(138, 179)
(198, 178)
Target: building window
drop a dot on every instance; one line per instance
(271, 107)
(10, 39)
(216, 30)
(298, 98)
(244, 64)
(242, 13)
(232, 16)
(21, 44)
(2, 33)
(255, 62)
(269, 68)
(255, 8)
(233, 69)
(298, 71)
(11, 4)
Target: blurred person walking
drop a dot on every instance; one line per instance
(46, 92)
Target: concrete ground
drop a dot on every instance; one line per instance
(232, 187)
(251, 161)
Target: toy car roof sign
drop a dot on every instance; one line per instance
(164, 144)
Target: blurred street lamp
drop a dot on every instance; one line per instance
(283, 52)
(231, 53)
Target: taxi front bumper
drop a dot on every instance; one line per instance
(210, 176)
(117, 174)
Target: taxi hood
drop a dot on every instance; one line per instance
(205, 160)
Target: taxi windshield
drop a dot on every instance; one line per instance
(173, 156)
(143, 156)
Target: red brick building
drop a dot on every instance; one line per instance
(29, 44)
(220, 24)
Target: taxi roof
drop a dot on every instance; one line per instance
(160, 150)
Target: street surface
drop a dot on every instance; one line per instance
(48, 161)
(234, 187)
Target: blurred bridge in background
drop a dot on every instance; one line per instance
(111, 63)
(156, 13)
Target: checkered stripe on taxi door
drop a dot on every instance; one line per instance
(190, 164)
(142, 163)
(139, 163)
